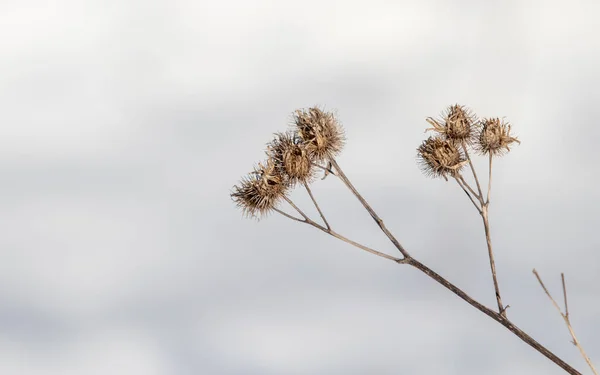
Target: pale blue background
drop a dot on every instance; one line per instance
(124, 125)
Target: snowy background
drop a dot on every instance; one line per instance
(124, 125)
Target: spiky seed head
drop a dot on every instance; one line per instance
(291, 157)
(494, 137)
(261, 190)
(439, 157)
(456, 124)
(320, 132)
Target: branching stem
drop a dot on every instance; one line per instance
(565, 317)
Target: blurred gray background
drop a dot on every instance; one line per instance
(124, 125)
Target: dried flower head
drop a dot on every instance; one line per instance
(261, 190)
(320, 132)
(440, 157)
(291, 157)
(456, 124)
(494, 137)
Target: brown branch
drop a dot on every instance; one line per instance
(469, 187)
(502, 319)
(467, 192)
(498, 317)
(486, 225)
(330, 232)
(288, 215)
(565, 317)
(562, 277)
(316, 205)
(366, 205)
(473, 170)
(489, 179)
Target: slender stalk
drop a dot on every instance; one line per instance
(469, 187)
(365, 248)
(316, 205)
(309, 221)
(296, 208)
(486, 224)
(562, 277)
(565, 317)
(366, 205)
(489, 180)
(288, 215)
(468, 195)
(472, 169)
(502, 319)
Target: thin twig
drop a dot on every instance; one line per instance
(309, 221)
(327, 170)
(366, 205)
(296, 208)
(468, 195)
(288, 215)
(502, 319)
(489, 180)
(484, 215)
(316, 205)
(562, 276)
(365, 248)
(486, 225)
(469, 187)
(498, 317)
(565, 317)
(473, 170)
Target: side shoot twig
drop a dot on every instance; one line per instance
(565, 317)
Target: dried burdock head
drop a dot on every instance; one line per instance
(290, 156)
(440, 157)
(494, 137)
(261, 190)
(320, 132)
(456, 124)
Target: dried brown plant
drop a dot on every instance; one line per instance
(320, 132)
(457, 124)
(317, 138)
(494, 137)
(260, 191)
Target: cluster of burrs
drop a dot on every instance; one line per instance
(459, 129)
(293, 157)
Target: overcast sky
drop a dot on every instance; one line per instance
(124, 125)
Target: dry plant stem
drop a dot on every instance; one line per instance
(296, 208)
(565, 317)
(502, 319)
(562, 277)
(469, 187)
(468, 195)
(484, 215)
(487, 200)
(288, 215)
(486, 224)
(472, 170)
(308, 221)
(316, 205)
(375, 217)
